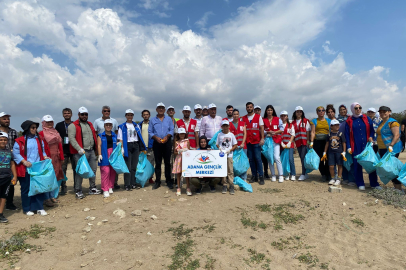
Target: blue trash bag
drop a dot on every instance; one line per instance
(55, 193)
(267, 150)
(83, 168)
(213, 141)
(378, 156)
(347, 164)
(402, 175)
(42, 177)
(240, 162)
(145, 170)
(116, 160)
(311, 161)
(285, 162)
(367, 159)
(242, 184)
(388, 167)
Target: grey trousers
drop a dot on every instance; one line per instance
(133, 151)
(91, 158)
(150, 156)
(302, 151)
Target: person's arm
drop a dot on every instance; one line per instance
(202, 129)
(244, 137)
(44, 154)
(14, 172)
(72, 137)
(312, 135)
(347, 138)
(19, 158)
(396, 136)
(99, 142)
(281, 128)
(151, 132)
(371, 130)
(324, 157)
(234, 142)
(261, 130)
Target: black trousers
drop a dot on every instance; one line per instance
(10, 195)
(318, 146)
(265, 163)
(163, 151)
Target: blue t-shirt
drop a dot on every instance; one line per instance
(5, 165)
(336, 140)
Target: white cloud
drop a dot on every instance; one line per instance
(153, 4)
(204, 19)
(326, 48)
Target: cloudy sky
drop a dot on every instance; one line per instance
(134, 54)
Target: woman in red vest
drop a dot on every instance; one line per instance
(273, 127)
(238, 128)
(288, 142)
(302, 136)
(28, 149)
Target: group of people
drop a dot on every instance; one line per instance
(165, 137)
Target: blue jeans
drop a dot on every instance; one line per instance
(32, 203)
(292, 162)
(254, 155)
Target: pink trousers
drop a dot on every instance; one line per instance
(108, 174)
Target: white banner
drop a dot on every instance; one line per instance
(204, 163)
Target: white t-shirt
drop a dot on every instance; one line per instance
(308, 127)
(291, 130)
(131, 133)
(261, 121)
(226, 142)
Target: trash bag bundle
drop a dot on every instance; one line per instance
(213, 141)
(388, 167)
(242, 184)
(402, 175)
(285, 162)
(55, 193)
(367, 159)
(267, 150)
(83, 168)
(42, 177)
(311, 161)
(241, 163)
(117, 161)
(145, 170)
(347, 164)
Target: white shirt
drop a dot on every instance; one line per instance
(210, 126)
(291, 130)
(250, 117)
(99, 125)
(199, 121)
(308, 127)
(226, 142)
(132, 135)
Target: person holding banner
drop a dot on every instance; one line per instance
(106, 143)
(182, 144)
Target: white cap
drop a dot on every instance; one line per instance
(198, 106)
(47, 118)
(299, 108)
(83, 110)
(212, 105)
(4, 114)
(334, 122)
(257, 107)
(225, 122)
(371, 110)
(186, 108)
(205, 107)
(171, 107)
(130, 111)
(284, 113)
(108, 121)
(160, 104)
(3, 134)
(181, 130)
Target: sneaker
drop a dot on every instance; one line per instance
(332, 181)
(345, 182)
(188, 192)
(351, 184)
(261, 181)
(323, 178)
(94, 191)
(79, 195)
(252, 180)
(178, 192)
(198, 190)
(280, 179)
(135, 187)
(361, 188)
(212, 189)
(116, 186)
(111, 191)
(337, 183)
(29, 213)
(128, 188)
(302, 178)
(156, 186)
(267, 176)
(377, 188)
(287, 178)
(3, 219)
(293, 178)
(64, 190)
(273, 179)
(170, 186)
(42, 213)
(106, 194)
(232, 190)
(224, 191)
(12, 207)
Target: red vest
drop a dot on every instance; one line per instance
(286, 136)
(238, 132)
(79, 138)
(190, 132)
(274, 126)
(253, 135)
(21, 169)
(46, 147)
(300, 132)
(349, 123)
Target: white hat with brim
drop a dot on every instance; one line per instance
(198, 106)
(225, 122)
(284, 113)
(299, 108)
(212, 105)
(160, 104)
(108, 121)
(4, 114)
(205, 107)
(83, 110)
(257, 107)
(171, 107)
(334, 122)
(371, 110)
(181, 130)
(129, 111)
(3, 134)
(186, 108)
(47, 118)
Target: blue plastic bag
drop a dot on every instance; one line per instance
(55, 193)
(241, 163)
(367, 159)
(347, 164)
(116, 160)
(402, 175)
(42, 177)
(388, 167)
(311, 161)
(145, 170)
(285, 162)
(242, 184)
(213, 141)
(267, 149)
(83, 168)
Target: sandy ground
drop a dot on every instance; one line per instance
(140, 242)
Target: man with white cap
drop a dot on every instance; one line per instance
(198, 116)
(205, 111)
(171, 112)
(211, 123)
(371, 113)
(12, 136)
(129, 134)
(83, 141)
(257, 109)
(161, 131)
(190, 126)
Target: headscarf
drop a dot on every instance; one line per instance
(51, 135)
(353, 110)
(207, 143)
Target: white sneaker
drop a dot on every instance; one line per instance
(273, 179)
(293, 178)
(281, 179)
(287, 178)
(29, 213)
(337, 183)
(302, 177)
(42, 212)
(332, 181)
(106, 194)
(361, 188)
(111, 191)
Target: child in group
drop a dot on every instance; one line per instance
(227, 143)
(181, 145)
(288, 142)
(8, 173)
(335, 148)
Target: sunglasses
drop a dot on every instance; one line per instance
(106, 111)
(33, 127)
(321, 110)
(84, 114)
(357, 108)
